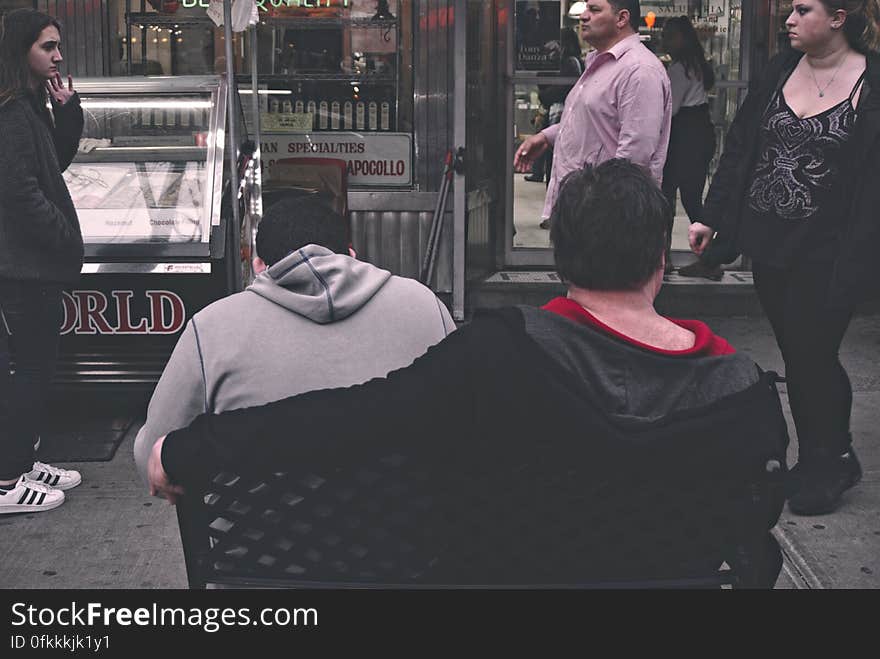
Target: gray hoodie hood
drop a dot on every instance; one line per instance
(319, 284)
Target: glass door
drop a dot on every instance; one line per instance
(542, 37)
(534, 72)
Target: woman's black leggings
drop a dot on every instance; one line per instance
(809, 334)
(691, 147)
(691, 186)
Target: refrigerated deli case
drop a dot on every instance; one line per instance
(150, 186)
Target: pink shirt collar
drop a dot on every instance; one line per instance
(617, 50)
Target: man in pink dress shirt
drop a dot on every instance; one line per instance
(620, 107)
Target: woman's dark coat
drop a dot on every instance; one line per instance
(40, 238)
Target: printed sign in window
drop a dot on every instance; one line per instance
(373, 159)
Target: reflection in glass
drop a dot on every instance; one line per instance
(528, 195)
(137, 202)
(537, 35)
(141, 173)
(718, 24)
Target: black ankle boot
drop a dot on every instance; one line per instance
(816, 486)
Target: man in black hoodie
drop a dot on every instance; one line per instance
(41, 248)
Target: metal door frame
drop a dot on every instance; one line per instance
(516, 256)
(459, 140)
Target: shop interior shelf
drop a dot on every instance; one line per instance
(303, 23)
(167, 21)
(297, 76)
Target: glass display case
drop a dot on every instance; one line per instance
(150, 164)
(150, 186)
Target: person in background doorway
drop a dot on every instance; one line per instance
(620, 107)
(553, 96)
(540, 168)
(41, 248)
(797, 189)
(692, 136)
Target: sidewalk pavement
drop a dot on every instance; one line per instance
(111, 534)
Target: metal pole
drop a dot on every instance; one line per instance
(459, 137)
(128, 55)
(436, 222)
(256, 210)
(143, 40)
(258, 134)
(231, 91)
(444, 193)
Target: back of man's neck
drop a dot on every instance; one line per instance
(632, 314)
(638, 302)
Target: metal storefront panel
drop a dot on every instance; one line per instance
(398, 240)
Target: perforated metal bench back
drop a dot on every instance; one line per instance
(456, 516)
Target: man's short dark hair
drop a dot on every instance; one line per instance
(296, 222)
(609, 226)
(634, 9)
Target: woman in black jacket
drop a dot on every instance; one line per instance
(41, 248)
(797, 189)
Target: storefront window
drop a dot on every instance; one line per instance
(334, 82)
(779, 12)
(156, 37)
(539, 52)
(718, 24)
(546, 39)
(537, 35)
(333, 67)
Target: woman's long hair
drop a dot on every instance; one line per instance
(691, 54)
(19, 30)
(861, 26)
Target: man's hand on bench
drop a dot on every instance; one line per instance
(160, 484)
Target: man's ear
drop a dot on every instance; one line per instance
(259, 265)
(623, 18)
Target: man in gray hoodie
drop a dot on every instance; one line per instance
(314, 318)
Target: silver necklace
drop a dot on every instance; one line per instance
(821, 90)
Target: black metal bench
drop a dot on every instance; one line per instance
(695, 514)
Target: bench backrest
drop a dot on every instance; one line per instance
(465, 514)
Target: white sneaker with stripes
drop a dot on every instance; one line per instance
(60, 479)
(29, 497)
